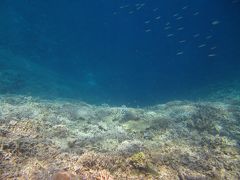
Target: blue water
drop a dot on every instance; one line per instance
(125, 51)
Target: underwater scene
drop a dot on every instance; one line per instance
(123, 89)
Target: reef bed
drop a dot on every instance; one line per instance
(42, 139)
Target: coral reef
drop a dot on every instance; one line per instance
(205, 118)
(42, 139)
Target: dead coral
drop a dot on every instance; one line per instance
(21, 146)
(160, 123)
(129, 114)
(43, 139)
(130, 147)
(63, 176)
(142, 162)
(60, 131)
(206, 118)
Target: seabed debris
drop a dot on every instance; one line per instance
(43, 139)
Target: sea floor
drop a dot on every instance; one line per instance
(63, 140)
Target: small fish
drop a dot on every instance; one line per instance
(196, 13)
(156, 9)
(179, 18)
(180, 28)
(179, 53)
(214, 47)
(167, 27)
(148, 30)
(170, 35)
(215, 22)
(126, 6)
(202, 45)
(175, 15)
(196, 35)
(130, 12)
(147, 22)
(208, 37)
(138, 8)
(114, 13)
(185, 7)
(167, 23)
(182, 41)
(212, 55)
(158, 17)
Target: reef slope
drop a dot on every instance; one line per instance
(42, 139)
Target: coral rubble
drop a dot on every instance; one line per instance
(42, 139)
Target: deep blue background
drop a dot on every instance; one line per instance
(107, 52)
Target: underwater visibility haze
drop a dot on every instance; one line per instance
(120, 89)
(124, 52)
